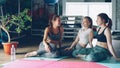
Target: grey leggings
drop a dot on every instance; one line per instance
(94, 54)
(54, 50)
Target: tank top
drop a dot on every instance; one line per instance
(84, 35)
(101, 37)
(55, 37)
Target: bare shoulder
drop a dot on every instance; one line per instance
(47, 29)
(107, 31)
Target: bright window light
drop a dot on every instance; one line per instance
(88, 9)
(73, 9)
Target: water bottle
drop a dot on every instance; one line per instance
(13, 56)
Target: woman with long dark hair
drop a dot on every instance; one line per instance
(52, 39)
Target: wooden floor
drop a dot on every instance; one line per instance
(23, 48)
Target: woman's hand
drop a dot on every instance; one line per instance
(47, 48)
(51, 41)
(69, 48)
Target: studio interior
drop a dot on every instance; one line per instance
(27, 27)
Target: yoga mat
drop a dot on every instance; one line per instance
(52, 64)
(28, 64)
(110, 60)
(111, 63)
(66, 64)
(44, 58)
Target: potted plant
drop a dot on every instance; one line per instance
(16, 22)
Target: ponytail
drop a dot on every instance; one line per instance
(109, 23)
(107, 20)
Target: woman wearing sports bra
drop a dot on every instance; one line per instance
(51, 40)
(103, 48)
(85, 36)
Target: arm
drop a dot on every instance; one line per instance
(109, 42)
(75, 42)
(91, 38)
(47, 48)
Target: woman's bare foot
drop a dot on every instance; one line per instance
(34, 53)
(81, 56)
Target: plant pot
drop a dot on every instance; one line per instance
(7, 47)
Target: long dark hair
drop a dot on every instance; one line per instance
(107, 20)
(53, 18)
(90, 21)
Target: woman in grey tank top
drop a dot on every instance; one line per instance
(51, 43)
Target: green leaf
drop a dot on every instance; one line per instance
(19, 21)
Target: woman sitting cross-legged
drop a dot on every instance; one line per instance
(51, 43)
(103, 48)
(84, 36)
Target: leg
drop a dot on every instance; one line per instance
(81, 52)
(76, 50)
(54, 51)
(41, 49)
(34, 53)
(95, 57)
(97, 54)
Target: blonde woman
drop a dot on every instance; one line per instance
(84, 37)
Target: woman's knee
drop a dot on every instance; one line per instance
(95, 57)
(75, 53)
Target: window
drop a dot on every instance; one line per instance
(73, 9)
(88, 9)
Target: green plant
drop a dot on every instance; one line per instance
(18, 22)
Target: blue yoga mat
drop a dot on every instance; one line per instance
(111, 63)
